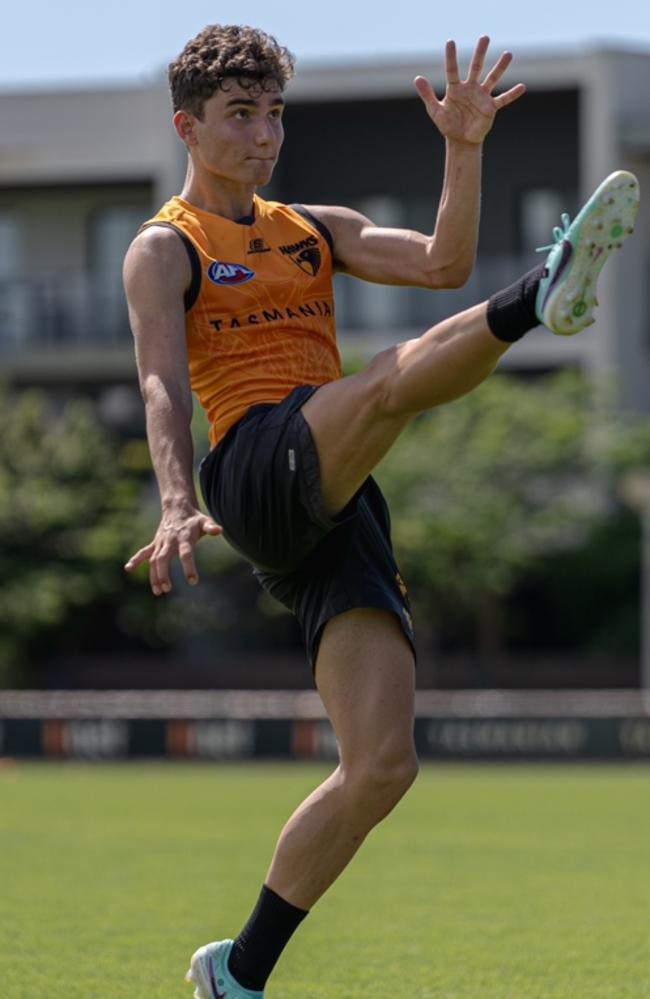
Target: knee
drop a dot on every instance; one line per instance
(380, 782)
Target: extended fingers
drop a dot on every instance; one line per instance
(159, 566)
(208, 526)
(183, 546)
(186, 547)
(140, 556)
(426, 92)
(509, 96)
(476, 65)
(186, 556)
(451, 62)
(167, 544)
(159, 558)
(497, 71)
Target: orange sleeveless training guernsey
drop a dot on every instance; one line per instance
(260, 309)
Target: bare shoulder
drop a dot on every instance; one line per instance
(347, 229)
(337, 216)
(157, 259)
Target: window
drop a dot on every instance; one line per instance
(540, 211)
(367, 306)
(112, 229)
(9, 243)
(13, 294)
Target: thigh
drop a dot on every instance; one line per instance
(261, 483)
(353, 566)
(354, 421)
(352, 429)
(365, 673)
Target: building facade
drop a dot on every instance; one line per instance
(81, 169)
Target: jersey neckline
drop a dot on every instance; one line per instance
(244, 220)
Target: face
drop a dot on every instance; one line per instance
(241, 134)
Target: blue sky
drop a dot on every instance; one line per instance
(67, 42)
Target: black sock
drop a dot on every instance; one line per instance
(511, 312)
(257, 948)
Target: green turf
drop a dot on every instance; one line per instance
(488, 882)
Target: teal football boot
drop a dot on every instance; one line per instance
(209, 972)
(567, 292)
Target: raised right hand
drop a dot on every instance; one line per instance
(178, 532)
(467, 110)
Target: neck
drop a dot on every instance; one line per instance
(216, 195)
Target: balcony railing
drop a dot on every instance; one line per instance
(70, 310)
(61, 310)
(367, 307)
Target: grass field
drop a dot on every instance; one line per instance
(489, 882)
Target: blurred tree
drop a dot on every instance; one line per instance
(513, 477)
(483, 489)
(68, 515)
(587, 600)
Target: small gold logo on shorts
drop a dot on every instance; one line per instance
(402, 585)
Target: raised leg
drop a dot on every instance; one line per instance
(356, 419)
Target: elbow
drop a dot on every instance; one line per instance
(452, 276)
(458, 277)
(451, 270)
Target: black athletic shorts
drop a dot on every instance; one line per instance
(262, 484)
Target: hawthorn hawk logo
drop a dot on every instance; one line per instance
(308, 260)
(305, 254)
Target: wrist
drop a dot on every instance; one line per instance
(464, 146)
(179, 504)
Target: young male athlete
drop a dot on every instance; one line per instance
(231, 296)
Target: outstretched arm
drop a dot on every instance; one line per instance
(444, 259)
(156, 273)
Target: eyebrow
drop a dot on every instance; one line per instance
(250, 102)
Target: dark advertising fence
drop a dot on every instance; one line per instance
(235, 725)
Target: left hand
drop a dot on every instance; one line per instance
(466, 112)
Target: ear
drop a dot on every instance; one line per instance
(184, 123)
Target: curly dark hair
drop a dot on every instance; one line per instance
(226, 51)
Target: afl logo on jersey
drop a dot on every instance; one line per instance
(223, 273)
